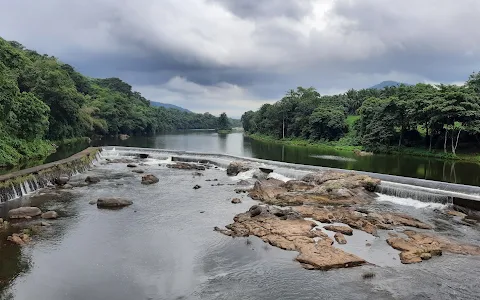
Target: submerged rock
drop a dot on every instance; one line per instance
(50, 215)
(67, 186)
(149, 179)
(131, 165)
(92, 179)
(92, 202)
(196, 187)
(187, 166)
(237, 167)
(138, 171)
(340, 229)
(113, 202)
(236, 201)
(286, 229)
(24, 212)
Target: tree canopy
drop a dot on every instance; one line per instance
(423, 115)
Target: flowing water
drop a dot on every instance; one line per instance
(164, 246)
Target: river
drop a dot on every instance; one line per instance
(236, 144)
(163, 246)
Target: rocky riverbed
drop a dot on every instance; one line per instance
(156, 240)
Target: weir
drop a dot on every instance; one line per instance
(26, 181)
(23, 182)
(399, 186)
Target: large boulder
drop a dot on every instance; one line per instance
(287, 230)
(149, 179)
(113, 202)
(50, 215)
(237, 167)
(341, 229)
(24, 212)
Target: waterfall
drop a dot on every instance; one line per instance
(413, 192)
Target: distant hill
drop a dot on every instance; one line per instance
(168, 105)
(387, 83)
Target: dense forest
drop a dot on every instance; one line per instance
(43, 99)
(431, 117)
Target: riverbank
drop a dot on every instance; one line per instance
(339, 146)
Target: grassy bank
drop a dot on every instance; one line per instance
(342, 146)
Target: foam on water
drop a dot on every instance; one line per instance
(279, 177)
(244, 175)
(409, 202)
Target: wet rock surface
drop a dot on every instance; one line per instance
(186, 166)
(50, 215)
(113, 202)
(340, 238)
(237, 167)
(149, 179)
(92, 179)
(138, 171)
(19, 238)
(236, 201)
(24, 212)
(339, 229)
(288, 230)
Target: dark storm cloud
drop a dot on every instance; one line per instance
(234, 55)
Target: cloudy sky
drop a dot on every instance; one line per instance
(234, 55)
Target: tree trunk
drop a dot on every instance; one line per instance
(401, 136)
(431, 137)
(426, 134)
(453, 137)
(283, 128)
(458, 137)
(445, 141)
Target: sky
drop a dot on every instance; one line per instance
(234, 55)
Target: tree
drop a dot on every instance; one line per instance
(327, 123)
(223, 122)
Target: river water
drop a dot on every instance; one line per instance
(163, 246)
(236, 144)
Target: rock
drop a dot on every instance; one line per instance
(19, 239)
(236, 201)
(138, 171)
(266, 170)
(362, 153)
(456, 213)
(92, 179)
(45, 224)
(186, 166)
(67, 186)
(243, 182)
(50, 215)
(297, 186)
(469, 221)
(368, 244)
(340, 238)
(149, 179)
(62, 180)
(341, 229)
(286, 229)
(92, 202)
(132, 166)
(123, 137)
(260, 175)
(143, 155)
(113, 202)
(24, 212)
(237, 167)
(197, 174)
(196, 187)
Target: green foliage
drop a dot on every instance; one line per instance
(42, 98)
(224, 122)
(389, 120)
